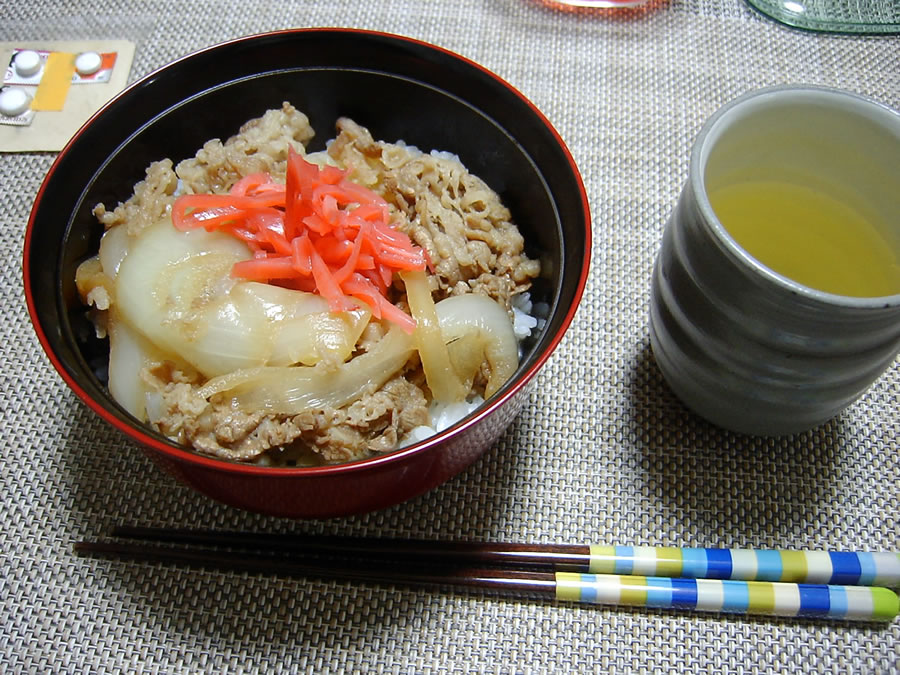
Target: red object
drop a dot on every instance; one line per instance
(460, 107)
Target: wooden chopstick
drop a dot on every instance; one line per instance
(513, 555)
(445, 564)
(535, 583)
(800, 566)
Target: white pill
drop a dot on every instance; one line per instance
(27, 63)
(14, 101)
(88, 63)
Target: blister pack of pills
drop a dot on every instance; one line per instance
(26, 66)
(42, 100)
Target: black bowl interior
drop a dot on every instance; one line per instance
(398, 88)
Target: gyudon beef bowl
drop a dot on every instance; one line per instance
(311, 273)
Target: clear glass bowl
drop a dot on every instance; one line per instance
(875, 17)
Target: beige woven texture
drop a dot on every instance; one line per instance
(610, 457)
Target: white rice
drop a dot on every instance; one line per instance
(523, 321)
(443, 416)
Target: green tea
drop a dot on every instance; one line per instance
(810, 237)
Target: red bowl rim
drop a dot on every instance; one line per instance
(190, 457)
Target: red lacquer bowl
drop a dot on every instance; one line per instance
(400, 89)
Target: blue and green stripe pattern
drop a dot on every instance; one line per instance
(866, 603)
(814, 567)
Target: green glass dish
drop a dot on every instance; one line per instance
(873, 17)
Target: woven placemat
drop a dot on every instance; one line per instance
(611, 457)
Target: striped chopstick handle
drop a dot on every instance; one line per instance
(865, 603)
(814, 567)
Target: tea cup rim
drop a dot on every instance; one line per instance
(765, 96)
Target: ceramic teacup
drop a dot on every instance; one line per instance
(768, 313)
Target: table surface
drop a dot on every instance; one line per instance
(612, 457)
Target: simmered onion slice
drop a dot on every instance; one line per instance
(475, 328)
(176, 289)
(443, 380)
(129, 353)
(290, 391)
